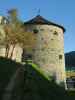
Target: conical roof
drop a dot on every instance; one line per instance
(40, 20)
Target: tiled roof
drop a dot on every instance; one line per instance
(40, 20)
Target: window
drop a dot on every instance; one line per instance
(26, 56)
(4, 21)
(35, 31)
(55, 33)
(33, 50)
(60, 56)
(52, 39)
(42, 38)
(41, 29)
(43, 60)
(43, 49)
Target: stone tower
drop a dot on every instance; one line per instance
(48, 53)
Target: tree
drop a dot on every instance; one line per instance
(16, 34)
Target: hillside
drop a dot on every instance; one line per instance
(70, 59)
(25, 82)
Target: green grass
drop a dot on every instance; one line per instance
(40, 71)
(31, 83)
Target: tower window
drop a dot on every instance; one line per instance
(55, 33)
(43, 49)
(52, 39)
(35, 31)
(43, 59)
(41, 29)
(42, 38)
(60, 56)
(33, 50)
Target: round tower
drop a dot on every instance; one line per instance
(48, 52)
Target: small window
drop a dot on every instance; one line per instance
(35, 31)
(55, 33)
(43, 59)
(60, 56)
(52, 39)
(33, 50)
(43, 49)
(41, 29)
(42, 38)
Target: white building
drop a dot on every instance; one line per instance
(17, 54)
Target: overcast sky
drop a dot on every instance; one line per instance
(59, 11)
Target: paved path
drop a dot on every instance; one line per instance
(8, 90)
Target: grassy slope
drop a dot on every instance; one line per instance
(30, 83)
(7, 69)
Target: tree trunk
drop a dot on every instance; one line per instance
(7, 51)
(11, 55)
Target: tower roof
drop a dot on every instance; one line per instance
(40, 20)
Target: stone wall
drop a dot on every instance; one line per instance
(17, 53)
(49, 49)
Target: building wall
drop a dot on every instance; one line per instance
(17, 53)
(49, 50)
(2, 38)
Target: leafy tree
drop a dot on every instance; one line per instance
(16, 33)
